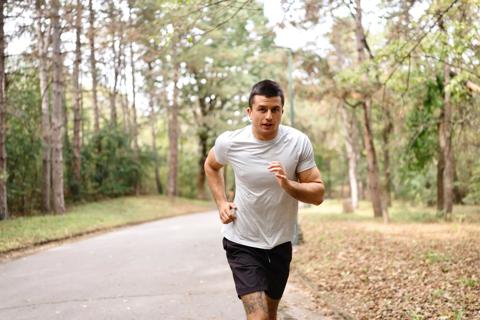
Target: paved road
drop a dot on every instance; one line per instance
(170, 269)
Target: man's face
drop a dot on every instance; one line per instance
(266, 115)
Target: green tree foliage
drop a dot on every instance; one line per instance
(473, 196)
(422, 122)
(109, 165)
(23, 144)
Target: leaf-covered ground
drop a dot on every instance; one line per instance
(370, 270)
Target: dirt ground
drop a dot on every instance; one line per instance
(369, 270)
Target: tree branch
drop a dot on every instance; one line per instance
(419, 41)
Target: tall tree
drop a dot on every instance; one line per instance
(43, 33)
(375, 190)
(445, 136)
(153, 125)
(350, 138)
(116, 31)
(134, 92)
(3, 108)
(386, 134)
(77, 101)
(173, 135)
(57, 112)
(341, 39)
(124, 97)
(93, 66)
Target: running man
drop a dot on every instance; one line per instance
(274, 169)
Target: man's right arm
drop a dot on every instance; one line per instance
(217, 187)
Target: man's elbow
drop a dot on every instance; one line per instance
(318, 201)
(319, 198)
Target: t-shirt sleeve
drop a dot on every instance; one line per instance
(221, 147)
(306, 160)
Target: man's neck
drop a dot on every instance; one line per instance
(261, 137)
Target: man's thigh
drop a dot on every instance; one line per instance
(248, 268)
(278, 270)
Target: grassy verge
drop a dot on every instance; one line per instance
(409, 269)
(400, 212)
(21, 233)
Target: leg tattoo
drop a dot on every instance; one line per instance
(255, 303)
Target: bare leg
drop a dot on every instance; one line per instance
(272, 307)
(256, 306)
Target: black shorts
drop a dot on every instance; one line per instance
(257, 269)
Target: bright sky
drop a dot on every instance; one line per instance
(291, 37)
(315, 37)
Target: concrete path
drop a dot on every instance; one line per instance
(170, 269)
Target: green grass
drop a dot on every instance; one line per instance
(24, 232)
(438, 293)
(469, 282)
(403, 212)
(434, 257)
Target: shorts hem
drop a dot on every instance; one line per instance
(250, 290)
(271, 297)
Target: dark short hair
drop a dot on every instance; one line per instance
(267, 88)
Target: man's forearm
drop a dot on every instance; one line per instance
(308, 192)
(216, 184)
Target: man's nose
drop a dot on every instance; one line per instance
(269, 115)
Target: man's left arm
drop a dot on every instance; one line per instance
(309, 188)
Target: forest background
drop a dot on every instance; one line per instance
(112, 98)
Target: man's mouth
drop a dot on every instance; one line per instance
(267, 125)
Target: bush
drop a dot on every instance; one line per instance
(109, 165)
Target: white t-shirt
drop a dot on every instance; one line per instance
(266, 214)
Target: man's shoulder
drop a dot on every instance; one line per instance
(292, 132)
(233, 134)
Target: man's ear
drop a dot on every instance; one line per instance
(249, 111)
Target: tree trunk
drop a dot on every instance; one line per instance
(57, 118)
(76, 106)
(445, 141)
(134, 108)
(3, 113)
(116, 67)
(153, 122)
(126, 114)
(440, 171)
(173, 138)
(387, 132)
(43, 37)
(374, 186)
(124, 97)
(446, 146)
(352, 153)
(201, 177)
(202, 134)
(93, 67)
